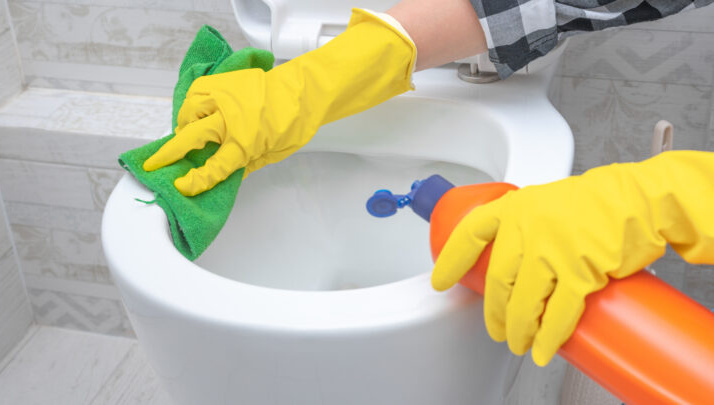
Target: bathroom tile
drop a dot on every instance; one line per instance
(33, 242)
(15, 310)
(95, 78)
(94, 114)
(96, 83)
(697, 20)
(77, 247)
(133, 382)
(73, 311)
(48, 184)
(60, 253)
(78, 128)
(10, 72)
(54, 217)
(61, 367)
(613, 120)
(87, 34)
(95, 35)
(65, 246)
(103, 182)
(4, 361)
(184, 5)
(107, 291)
(59, 242)
(5, 239)
(63, 148)
(110, 115)
(31, 108)
(642, 55)
(216, 6)
(534, 385)
(148, 4)
(554, 91)
(4, 18)
(581, 390)
(710, 143)
(52, 270)
(699, 284)
(671, 268)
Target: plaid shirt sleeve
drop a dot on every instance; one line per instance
(519, 31)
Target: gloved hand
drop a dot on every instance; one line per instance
(556, 243)
(260, 117)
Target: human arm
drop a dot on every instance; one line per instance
(260, 118)
(518, 32)
(443, 31)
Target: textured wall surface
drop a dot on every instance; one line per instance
(124, 46)
(58, 165)
(10, 71)
(614, 86)
(15, 311)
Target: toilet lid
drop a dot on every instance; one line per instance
(289, 28)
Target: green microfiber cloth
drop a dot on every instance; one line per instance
(195, 221)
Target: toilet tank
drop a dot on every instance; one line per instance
(289, 28)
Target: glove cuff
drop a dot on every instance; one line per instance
(361, 15)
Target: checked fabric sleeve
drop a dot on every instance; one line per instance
(520, 31)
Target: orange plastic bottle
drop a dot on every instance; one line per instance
(639, 338)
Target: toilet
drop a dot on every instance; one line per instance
(304, 297)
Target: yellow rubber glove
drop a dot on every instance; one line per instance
(556, 243)
(260, 117)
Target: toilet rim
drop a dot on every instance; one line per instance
(207, 297)
(143, 260)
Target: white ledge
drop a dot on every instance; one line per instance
(103, 114)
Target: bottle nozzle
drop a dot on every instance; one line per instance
(422, 198)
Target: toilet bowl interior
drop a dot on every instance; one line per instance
(301, 224)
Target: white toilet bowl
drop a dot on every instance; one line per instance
(304, 298)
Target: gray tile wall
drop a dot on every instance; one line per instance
(58, 165)
(15, 310)
(613, 87)
(125, 46)
(11, 81)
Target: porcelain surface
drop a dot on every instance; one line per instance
(304, 297)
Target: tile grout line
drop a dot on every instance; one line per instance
(74, 92)
(95, 289)
(129, 353)
(16, 255)
(16, 46)
(709, 142)
(29, 335)
(118, 5)
(87, 332)
(108, 341)
(76, 166)
(638, 81)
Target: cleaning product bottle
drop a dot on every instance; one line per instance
(639, 338)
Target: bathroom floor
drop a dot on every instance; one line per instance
(61, 366)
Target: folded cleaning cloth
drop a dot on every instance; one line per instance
(195, 221)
